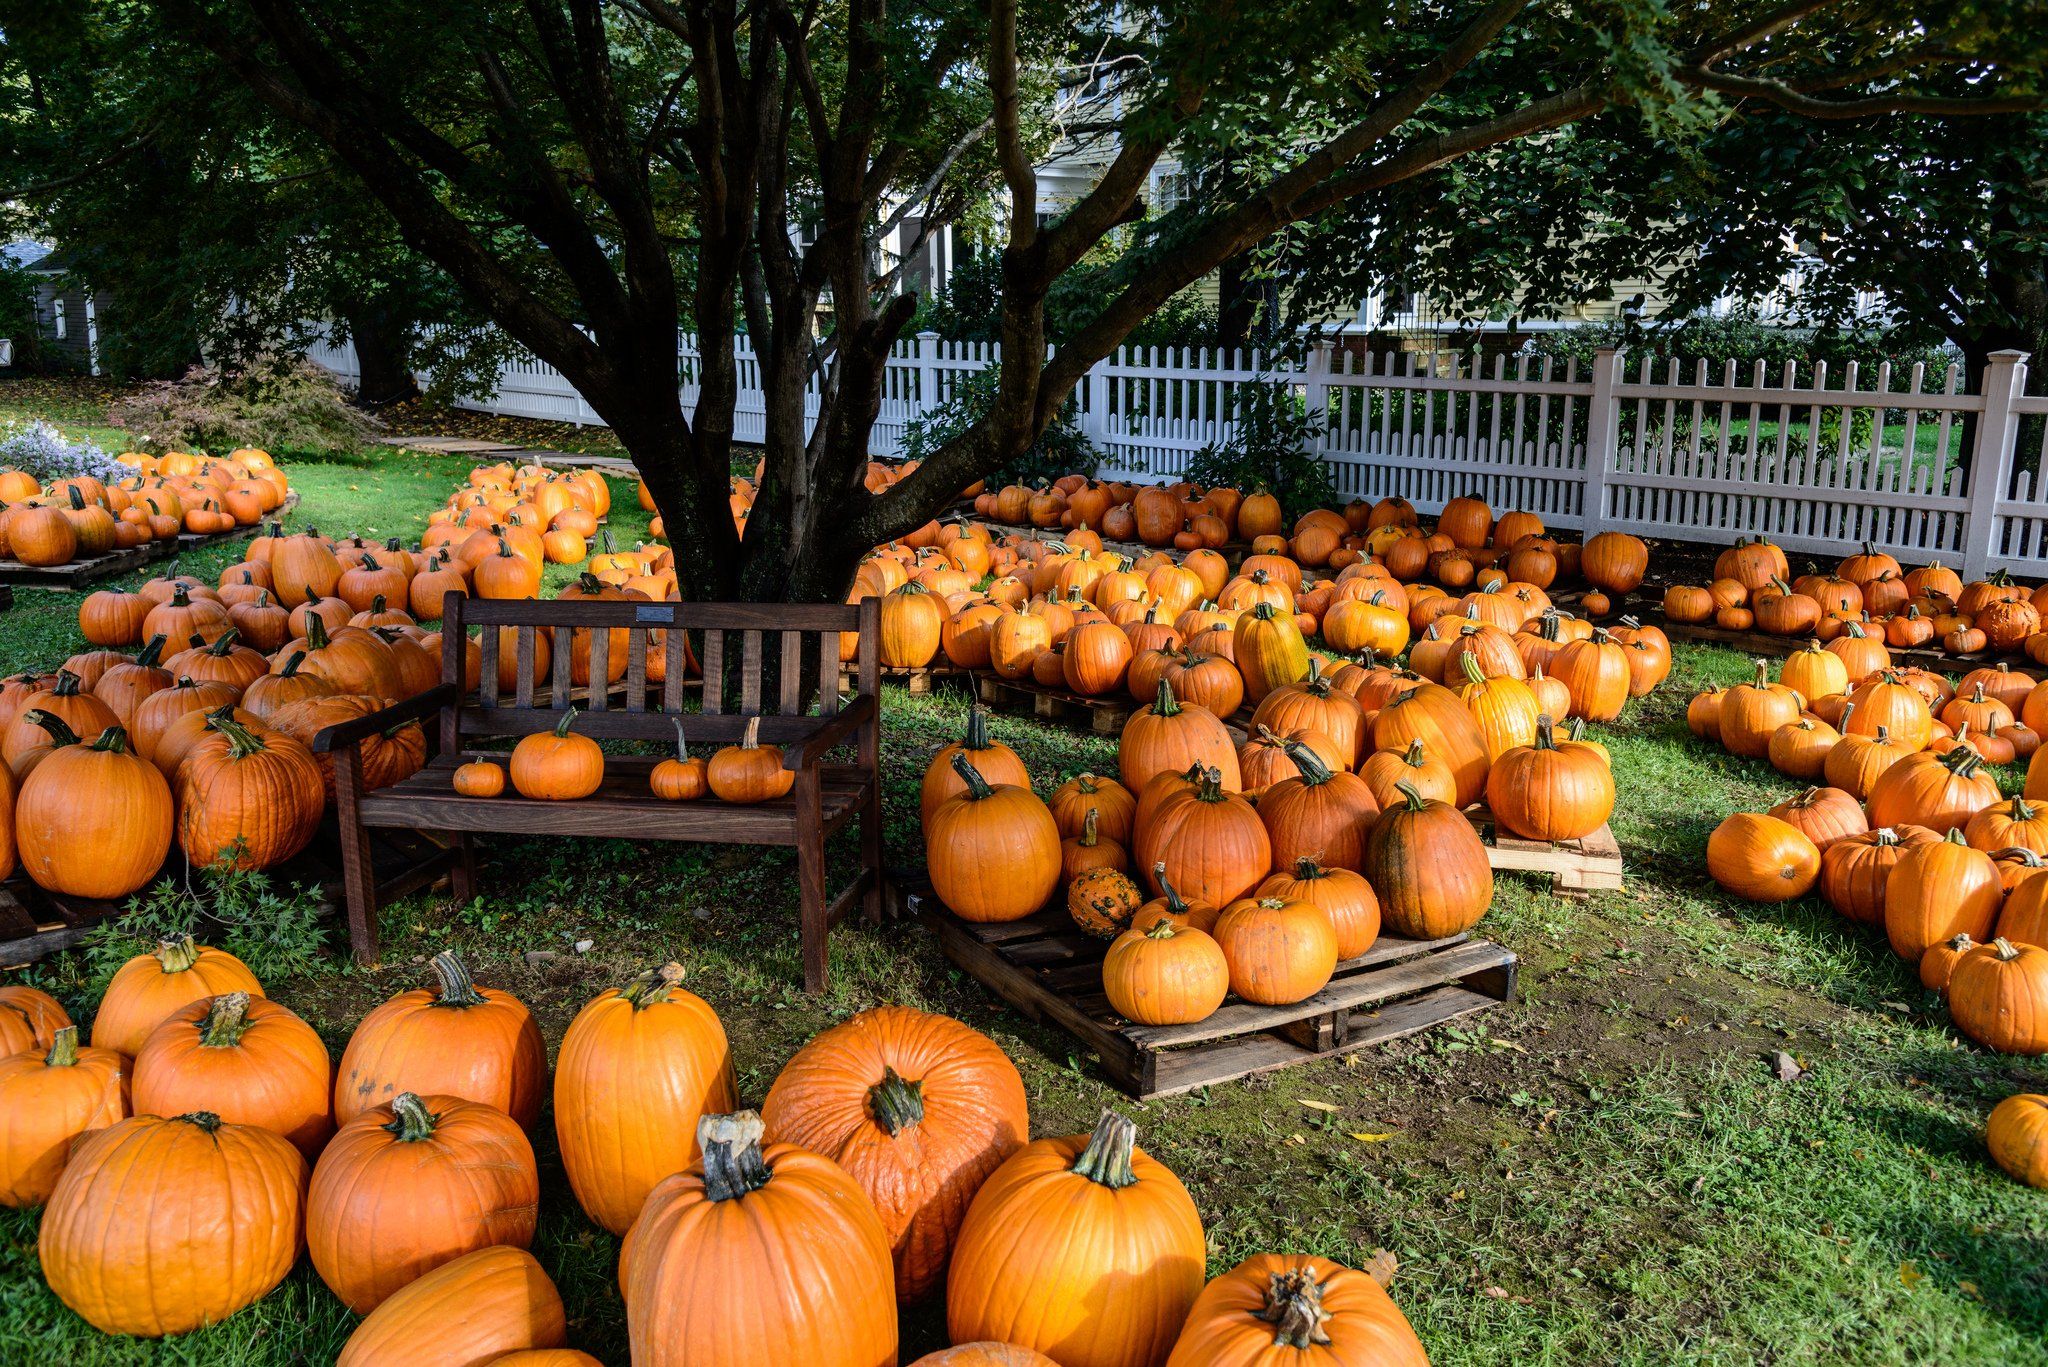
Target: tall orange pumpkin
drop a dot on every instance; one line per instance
(476, 1043)
(638, 1067)
(993, 851)
(1428, 867)
(1169, 736)
(919, 1109)
(1937, 891)
(93, 820)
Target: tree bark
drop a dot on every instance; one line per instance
(383, 346)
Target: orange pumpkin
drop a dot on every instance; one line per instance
(476, 1043)
(48, 1098)
(246, 1059)
(1274, 1309)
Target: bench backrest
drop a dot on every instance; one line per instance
(800, 643)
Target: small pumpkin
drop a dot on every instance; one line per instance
(2016, 1133)
(1169, 972)
(1276, 1308)
(1998, 996)
(1102, 901)
(479, 778)
(1279, 952)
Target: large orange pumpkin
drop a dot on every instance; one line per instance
(802, 1259)
(1084, 1248)
(1210, 842)
(491, 1306)
(1168, 736)
(1166, 972)
(993, 851)
(1279, 952)
(1291, 1310)
(248, 1060)
(1937, 891)
(1429, 868)
(404, 1188)
(246, 800)
(639, 1066)
(1434, 715)
(159, 1226)
(919, 1110)
(1762, 858)
(93, 820)
(1998, 996)
(47, 1100)
(477, 1043)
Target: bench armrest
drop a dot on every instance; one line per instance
(426, 704)
(833, 733)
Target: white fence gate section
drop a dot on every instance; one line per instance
(1820, 461)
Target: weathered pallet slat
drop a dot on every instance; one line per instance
(1050, 972)
(1103, 715)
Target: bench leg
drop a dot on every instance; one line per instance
(871, 819)
(462, 874)
(358, 869)
(810, 877)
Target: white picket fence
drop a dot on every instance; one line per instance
(1819, 461)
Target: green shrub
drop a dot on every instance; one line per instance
(277, 932)
(287, 406)
(1268, 449)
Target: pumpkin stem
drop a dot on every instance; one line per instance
(977, 729)
(67, 684)
(1107, 1159)
(562, 726)
(1174, 903)
(1416, 801)
(457, 988)
(682, 747)
(895, 1103)
(1209, 787)
(1545, 735)
(242, 742)
(733, 1166)
(1763, 670)
(60, 733)
(1308, 868)
(1314, 773)
(750, 739)
(977, 786)
(1415, 757)
(653, 986)
(63, 1049)
(151, 653)
(1294, 1307)
(411, 1121)
(316, 631)
(205, 1121)
(1162, 929)
(1472, 669)
(1089, 830)
(291, 666)
(2004, 949)
(177, 955)
(226, 1022)
(1165, 704)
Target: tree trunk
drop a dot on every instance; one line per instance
(383, 355)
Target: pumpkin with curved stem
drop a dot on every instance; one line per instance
(1262, 760)
(1940, 961)
(2004, 825)
(803, 1257)
(639, 1066)
(1752, 712)
(2016, 1133)
(1762, 858)
(1084, 1246)
(1316, 704)
(1211, 842)
(1939, 792)
(1168, 972)
(1167, 736)
(48, 1098)
(1113, 804)
(151, 987)
(1169, 906)
(159, 712)
(1322, 813)
(1279, 951)
(495, 1305)
(246, 1059)
(404, 1188)
(1429, 868)
(1937, 891)
(1276, 1308)
(919, 1109)
(993, 851)
(126, 686)
(476, 1043)
(680, 778)
(217, 1226)
(246, 801)
(28, 737)
(996, 762)
(1344, 896)
(266, 697)
(749, 772)
(1433, 715)
(1891, 702)
(1998, 996)
(1823, 815)
(1858, 761)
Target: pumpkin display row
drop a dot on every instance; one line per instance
(81, 517)
(891, 1161)
(1868, 595)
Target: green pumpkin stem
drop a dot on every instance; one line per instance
(63, 1049)
(1164, 704)
(1107, 1159)
(682, 746)
(1308, 867)
(1314, 772)
(976, 739)
(457, 988)
(733, 1165)
(316, 631)
(226, 1022)
(178, 954)
(562, 726)
(59, 731)
(1294, 1307)
(1174, 904)
(1471, 667)
(1416, 801)
(977, 786)
(1416, 756)
(896, 1104)
(67, 684)
(205, 1121)
(652, 987)
(411, 1121)
(152, 652)
(1545, 732)
(1091, 824)
(291, 666)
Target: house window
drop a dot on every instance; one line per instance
(60, 327)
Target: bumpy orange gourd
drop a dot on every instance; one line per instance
(799, 1259)
(477, 1043)
(919, 1109)
(159, 1226)
(246, 1059)
(47, 1100)
(478, 1309)
(638, 1067)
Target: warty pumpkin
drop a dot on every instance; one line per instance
(48, 1098)
(1429, 868)
(919, 1110)
(1937, 891)
(402, 1189)
(1998, 996)
(801, 1259)
(1275, 1308)
(639, 1066)
(993, 851)
(1762, 858)
(476, 1043)
(495, 1305)
(151, 987)
(1083, 1246)
(246, 1059)
(159, 1226)
(996, 762)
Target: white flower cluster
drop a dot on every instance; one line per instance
(46, 453)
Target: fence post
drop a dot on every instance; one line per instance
(927, 374)
(2005, 379)
(1602, 435)
(1315, 393)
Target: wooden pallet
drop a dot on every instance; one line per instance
(36, 923)
(1576, 867)
(77, 574)
(1051, 972)
(918, 682)
(1762, 643)
(1105, 716)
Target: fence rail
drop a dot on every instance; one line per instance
(1921, 464)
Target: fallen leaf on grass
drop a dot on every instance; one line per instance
(1364, 1138)
(1786, 1068)
(1910, 1275)
(1314, 1105)
(1381, 1266)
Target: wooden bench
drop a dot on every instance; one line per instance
(735, 643)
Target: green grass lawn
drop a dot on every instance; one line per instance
(1606, 1172)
